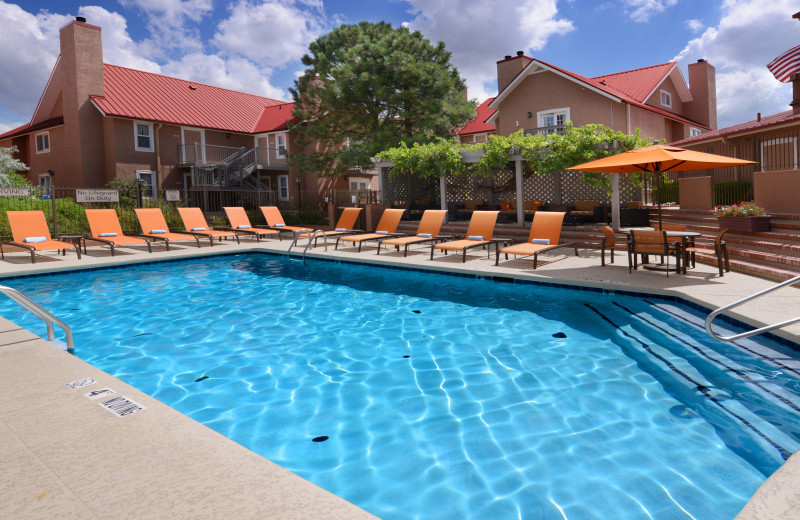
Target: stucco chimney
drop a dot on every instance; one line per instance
(82, 65)
(509, 67)
(703, 86)
(795, 104)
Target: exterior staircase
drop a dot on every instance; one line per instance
(773, 255)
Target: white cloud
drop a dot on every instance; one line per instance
(274, 32)
(170, 23)
(234, 73)
(30, 48)
(642, 10)
(118, 47)
(694, 25)
(5, 127)
(749, 35)
(481, 32)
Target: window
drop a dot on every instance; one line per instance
(46, 182)
(280, 146)
(779, 153)
(359, 184)
(666, 99)
(283, 187)
(148, 180)
(552, 118)
(43, 142)
(693, 132)
(143, 135)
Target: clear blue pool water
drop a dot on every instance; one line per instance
(442, 397)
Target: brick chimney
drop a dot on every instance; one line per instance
(509, 67)
(81, 63)
(703, 86)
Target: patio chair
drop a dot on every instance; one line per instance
(427, 231)
(720, 250)
(609, 242)
(105, 230)
(29, 231)
(344, 226)
(240, 223)
(275, 221)
(479, 234)
(544, 235)
(645, 243)
(154, 226)
(195, 224)
(387, 226)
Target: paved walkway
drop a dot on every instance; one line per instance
(65, 456)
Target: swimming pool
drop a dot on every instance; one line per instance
(435, 396)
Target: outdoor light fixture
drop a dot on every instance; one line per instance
(228, 135)
(51, 173)
(530, 115)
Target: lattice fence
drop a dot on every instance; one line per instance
(563, 188)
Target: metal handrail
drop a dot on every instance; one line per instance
(747, 334)
(40, 312)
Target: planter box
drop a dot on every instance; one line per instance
(752, 224)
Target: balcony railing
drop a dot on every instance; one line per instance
(197, 153)
(544, 130)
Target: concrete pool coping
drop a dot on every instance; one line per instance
(64, 455)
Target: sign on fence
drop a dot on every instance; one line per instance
(82, 195)
(14, 192)
(172, 195)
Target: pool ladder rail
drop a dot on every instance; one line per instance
(46, 316)
(312, 236)
(749, 333)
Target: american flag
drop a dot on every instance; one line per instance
(786, 64)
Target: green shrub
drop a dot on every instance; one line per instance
(670, 192)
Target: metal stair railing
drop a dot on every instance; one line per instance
(40, 312)
(761, 330)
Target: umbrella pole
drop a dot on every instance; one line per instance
(660, 196)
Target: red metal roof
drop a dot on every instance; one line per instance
(28, 128)
(635, 84)
(479, 124)
(742, 128)
(152, 97)
(276, 118)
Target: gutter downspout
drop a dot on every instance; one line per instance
(158, 154)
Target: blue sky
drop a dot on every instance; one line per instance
(256, 45)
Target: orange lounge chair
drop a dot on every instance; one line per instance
(545, 231)
(275, 221)
(29, 231)
(195, 224)
(344, 226)
(427, 231)
(240, 223)
(154, 226)
(387, 226)
(479, 234)
(105, 229)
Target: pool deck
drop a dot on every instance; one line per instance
(65, 456)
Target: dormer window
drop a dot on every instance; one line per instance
(694, 132)
(666, 99)
(43, 142)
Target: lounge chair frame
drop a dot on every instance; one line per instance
(545, 219)
(210, 234)
(110, 242)
(256, 231)
(38, 215)
(428, 222)
(384, 229)
(477, 243)
(145, 212)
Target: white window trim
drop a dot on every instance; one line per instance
(280, 195)
(202, 141)
(353, 178)
(36, 142)
(155, 182)
(136, 146)
(554, 111)
(668, 95)
(278, 153)
(777, 141)
(693, 132)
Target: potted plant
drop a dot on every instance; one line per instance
(745, 216)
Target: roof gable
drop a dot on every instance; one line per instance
(275, 118)
(781, 118)
(143, 95)
(479, 124)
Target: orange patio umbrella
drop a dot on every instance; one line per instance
(659, 159)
